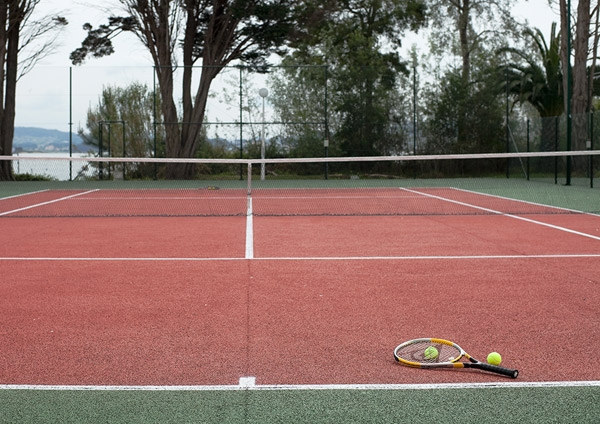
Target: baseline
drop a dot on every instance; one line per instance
(301, 258)
(259, 387)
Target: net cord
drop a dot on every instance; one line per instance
(312, 160)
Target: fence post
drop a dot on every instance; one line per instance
(591, 147)
(556, 149)
(528, 147)
(241, 124)
(70, 122)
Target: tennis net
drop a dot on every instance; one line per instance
(511, 183)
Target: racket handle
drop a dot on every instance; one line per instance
(494, 368)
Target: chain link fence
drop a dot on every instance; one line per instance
(274, 113)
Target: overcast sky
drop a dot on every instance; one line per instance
(43, 94)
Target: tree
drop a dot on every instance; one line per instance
(576, 80)
(580, 46)
(124, 111)
(300, 99)
(122, 125)
(355, 58)
(536, 78)
(212, 32)
(450, 104)
(595, 33)
(475, 26)
(18, 31)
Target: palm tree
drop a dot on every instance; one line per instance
(537, 80)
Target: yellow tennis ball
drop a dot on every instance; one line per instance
(494, 358)
(431, 353)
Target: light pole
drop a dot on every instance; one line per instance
(263, 92)
(569, 92)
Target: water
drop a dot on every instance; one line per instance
(60, 170)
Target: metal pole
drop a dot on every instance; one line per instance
(326, 145)
(241, 125)
(528, 147)
(263, 92)
(262, 142)
(325, 111)
(590, 146)
(507, 128)
(123, 137)
(100, 152)
(124, 147)
(70, 122)
(154, 132)
(568, 182)
(414, 110)
(556, 149)
(249, 182)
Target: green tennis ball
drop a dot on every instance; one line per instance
(494, 358)
(431, 353)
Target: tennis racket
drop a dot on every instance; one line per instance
(412, 354)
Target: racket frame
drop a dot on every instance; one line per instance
(454, 362)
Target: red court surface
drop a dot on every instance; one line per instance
(323, 300)
(424, 236)
(124, 237)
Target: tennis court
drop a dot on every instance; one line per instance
(131, 302)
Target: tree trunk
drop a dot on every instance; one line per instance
(596, 35)
(157, 37)
(580, 101)
(15, 18)
(565, 58)
(465, 50)
(218, 39)
(3, 42)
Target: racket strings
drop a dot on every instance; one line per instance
(415, 352)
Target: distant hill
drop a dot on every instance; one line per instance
(30, 139)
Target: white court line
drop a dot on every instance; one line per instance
(24, 194)
(247, 383)
(46, 203)
(190, 198)
(533, 221)
(249, 231)
(527, 202)
(307, 258)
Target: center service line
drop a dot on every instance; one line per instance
(249, 231)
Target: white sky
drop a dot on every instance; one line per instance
(43, 94)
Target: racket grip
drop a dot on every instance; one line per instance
(495, 368)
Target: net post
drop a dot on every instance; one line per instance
(249, 192)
